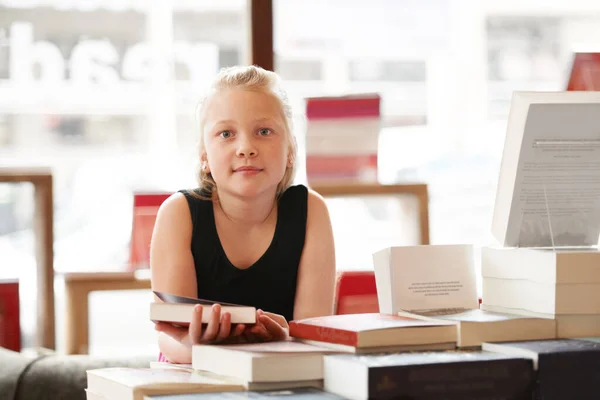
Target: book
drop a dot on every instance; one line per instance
(428, 277)
(356, 293)
(551, 266)
(374, 332)
(566, 368)
(262, 362)
(585, 72)
(429, 375)
(473, 327)
(546, 298)
(541, 280)
(248, 385)
(145, 209)
(10, 320)
(549, 182)
(303, 393)
(342, 137)
(567, 325)
(135, 383)
(179, 309)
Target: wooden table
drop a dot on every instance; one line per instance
(43, 229)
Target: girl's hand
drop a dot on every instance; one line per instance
(269, 327)
(217, 330)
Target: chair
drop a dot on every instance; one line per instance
(78, 285)
(356, 293)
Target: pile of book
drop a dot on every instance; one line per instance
(536, 334)
(342, 136)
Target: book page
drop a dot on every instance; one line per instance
(556, 201)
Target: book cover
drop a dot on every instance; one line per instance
(430, 375)
(421, 278)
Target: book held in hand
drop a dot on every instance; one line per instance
(179, 309)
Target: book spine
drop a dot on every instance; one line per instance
(328, 108)
(323, 334)
(494, 380)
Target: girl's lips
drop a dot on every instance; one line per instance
(248, 170)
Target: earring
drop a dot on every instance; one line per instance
(204, 166)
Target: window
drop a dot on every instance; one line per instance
(103, 93)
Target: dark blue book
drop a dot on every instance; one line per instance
(288, 394)
(452, 375)
(566, 368)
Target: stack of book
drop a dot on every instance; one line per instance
(437, 283)
(547, 214)
(342, 136)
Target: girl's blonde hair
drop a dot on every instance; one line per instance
(249, 78)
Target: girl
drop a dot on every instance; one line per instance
(245, 236)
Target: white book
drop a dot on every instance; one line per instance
(346, 146)
(135, 383)
(552, 266)
(340, 128)
(567, 325)
(548, 191)
(262, 362)
(422, 278)
(473, 327)
(179, 313)
(564, 298)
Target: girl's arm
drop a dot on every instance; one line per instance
(172, 267)
(316, 272)
(173, 271)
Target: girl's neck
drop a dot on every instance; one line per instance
(246, 211)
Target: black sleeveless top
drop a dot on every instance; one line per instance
(269, 283)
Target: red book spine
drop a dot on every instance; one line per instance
(333, 108)
(10, 326)
(323, 334)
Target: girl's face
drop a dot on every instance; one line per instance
(246, 141)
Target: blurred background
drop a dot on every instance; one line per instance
(104, 93)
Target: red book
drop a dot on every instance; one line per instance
(10, 325)
(356, 293)
(373, 330)
(145, 208)
(350, 106)
(585, 72)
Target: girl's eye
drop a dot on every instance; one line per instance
(225, 134)
(264, 132)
